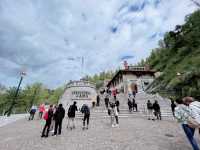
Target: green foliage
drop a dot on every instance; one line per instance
(98, 79)
(179, 51)
(34, 94)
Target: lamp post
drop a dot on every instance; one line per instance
(9, 111)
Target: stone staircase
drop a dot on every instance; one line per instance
(141, 100)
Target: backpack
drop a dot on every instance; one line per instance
(70, 109)
(85, 109)
(46, 115)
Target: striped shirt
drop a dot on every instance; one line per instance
(195, 110)
(182, 113)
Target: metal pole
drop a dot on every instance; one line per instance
(9, 111)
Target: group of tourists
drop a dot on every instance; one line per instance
(54, 115)
(153, 110)
(187, 112)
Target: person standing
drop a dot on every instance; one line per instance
(48, 117)
(149, 109)
(106, 100)
(173, 106)
(98, 100)
(183, 114)
(41, 110)
(86, 111)
(53, 119)
(130, 105)
(156, 108)
(59, 115)
(71, 115)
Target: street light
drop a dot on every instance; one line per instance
(9, 111)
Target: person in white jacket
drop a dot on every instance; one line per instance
(189, 116)
(114, 115)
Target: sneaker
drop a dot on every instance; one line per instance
(117, 125)
(113, 125)
(42, 136)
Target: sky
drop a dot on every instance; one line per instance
(55, 41)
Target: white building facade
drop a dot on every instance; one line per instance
(83, 92)
(139, 76)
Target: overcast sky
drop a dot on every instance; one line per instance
(48, 38)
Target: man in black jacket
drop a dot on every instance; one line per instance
(157, 111)
(59, 115)
(71, 115)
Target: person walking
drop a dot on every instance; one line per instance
(130, 105)
(98, 100)
(71, 116)
(106, 100)
(59, 115)
(86, 111)
(183, 114)
(149, 109)
(156, 108)
(48, 117)
(114, 115)
(134, 105)
(173, 106)
(117, 104)
(32, 112)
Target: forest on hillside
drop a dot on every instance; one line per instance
(178, 58)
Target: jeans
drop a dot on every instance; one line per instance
(46, 128)
(190, 135)
(86, 118)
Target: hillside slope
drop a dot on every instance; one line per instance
(178, 57)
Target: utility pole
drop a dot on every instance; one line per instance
(9, 111)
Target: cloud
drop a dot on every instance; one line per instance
(50, 38)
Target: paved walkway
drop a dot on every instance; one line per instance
(133, 134)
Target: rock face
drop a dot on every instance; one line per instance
(83, 92)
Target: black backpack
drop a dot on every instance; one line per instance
(70, 110)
